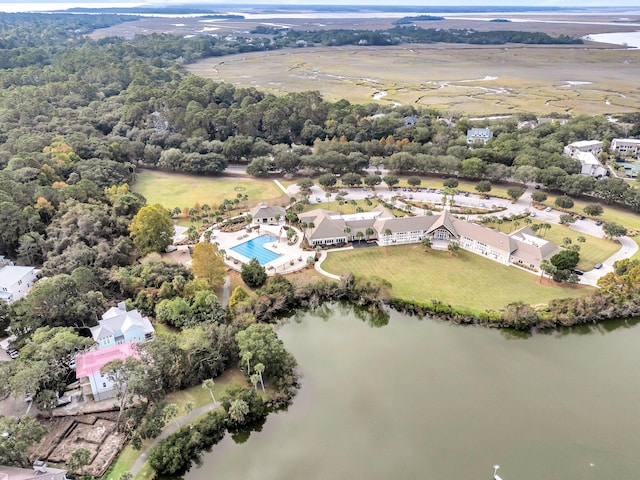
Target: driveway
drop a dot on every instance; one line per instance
(628, 249)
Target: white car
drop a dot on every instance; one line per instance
(548, 209)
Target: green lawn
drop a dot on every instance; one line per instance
(199, 396)
(626, 218)
(465, 280)
(180, 190)
(594, 250)
(463, 185)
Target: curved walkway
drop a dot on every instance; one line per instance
(323, 256)
(172, 427)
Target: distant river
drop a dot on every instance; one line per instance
(630, 39)
(421, 399)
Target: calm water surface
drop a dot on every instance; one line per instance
(420, 399)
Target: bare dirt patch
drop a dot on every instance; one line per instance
(95, 432)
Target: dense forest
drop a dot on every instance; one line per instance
(285, 37)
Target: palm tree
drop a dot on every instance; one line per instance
(368, 232)
(255, 379)
(259, 368)
(359, 235)
(188, 407)
(546, 267)
(566, 241)
(209, 384)
(238, 409)
(246, 357)
(581, 239)
(426, 243)
(347, 231)
(170, 411)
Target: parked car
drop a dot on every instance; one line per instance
(548, 209)
(537, 187)
(597, 266)
(532, 214)
(318, 199)
(466, 194)
(599, 222)
(410, 197)
(576, 271)
(13, 353)
(580, 217)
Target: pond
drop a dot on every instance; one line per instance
(422, 399)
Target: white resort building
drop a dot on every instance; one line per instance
(586, 152)
(626, 146)
(522, 247)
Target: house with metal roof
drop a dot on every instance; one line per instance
(479, 135)
(120, 326)
(89, 369)
(16, 281)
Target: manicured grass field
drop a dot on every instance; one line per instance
(463, 186)
(180, 190)
(594, 250)
(626, 218)
(465, 280)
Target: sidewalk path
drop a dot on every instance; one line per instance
(280, 186)
(226, 291)
(170, 428)
(323, 256)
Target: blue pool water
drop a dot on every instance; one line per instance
(254, 248)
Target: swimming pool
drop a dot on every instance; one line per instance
(254, 248)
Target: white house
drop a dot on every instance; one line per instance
(479, 135)
(586, 152)
(15, 281)
(626, 146)
(89, 364)
(120, 326)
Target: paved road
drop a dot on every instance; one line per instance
(168, 430)
(628, 249)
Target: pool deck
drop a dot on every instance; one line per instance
(292, 257)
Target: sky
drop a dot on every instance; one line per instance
(406, 3)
